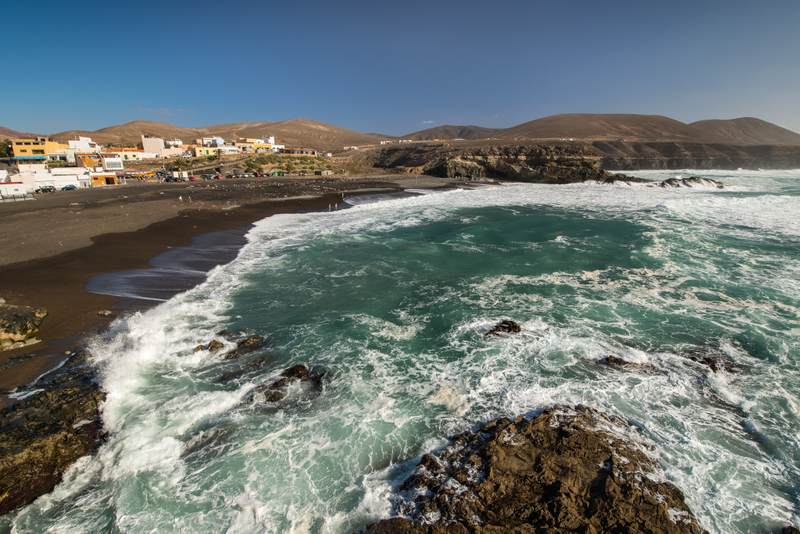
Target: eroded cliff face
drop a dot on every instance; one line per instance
(575, 161)
(620, 155)
(525, 163)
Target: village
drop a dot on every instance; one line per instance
(38, 165)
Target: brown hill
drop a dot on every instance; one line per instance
(608, 126)
(614, 127)
(448, 131)
(8, 133)
(744, 131)
(296, 132)
(130, 133)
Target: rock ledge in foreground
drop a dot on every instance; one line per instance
(42, 435)
(562, 471)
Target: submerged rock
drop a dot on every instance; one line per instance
(504, 327)
(212, 346)
(713, 360)
(245, 346)
(254, 365)
(19, 325)
(43, 434)
(620, 364)
(276, 391)
(565, 470)
(692, 181)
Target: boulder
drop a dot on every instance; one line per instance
(212, 346)
(19, 325)
(43, 434)
(504, 327)
(245, 346)
(276, 390)
(565, 470)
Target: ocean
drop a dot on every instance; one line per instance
(391, 298)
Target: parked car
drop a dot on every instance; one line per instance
(69, 187)
(46, 189)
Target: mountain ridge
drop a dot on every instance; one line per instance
(624, 127)
(589, 127)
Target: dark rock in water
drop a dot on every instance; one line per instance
(42, 435)
(562, 471)
(790, 530)
(276, 391)
(615, 362)
(19, 325)
(258, 363)
(504, 327)
(204, 439)
(711, 358)
(245, 346)
(692, 181)
(212, 346)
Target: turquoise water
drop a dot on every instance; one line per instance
(392, 298)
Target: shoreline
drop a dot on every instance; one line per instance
(59, 283)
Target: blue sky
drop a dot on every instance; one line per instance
(395, 67)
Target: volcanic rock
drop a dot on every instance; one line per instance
(565, 470)
(504, 327)
(692, 181)
(620, 364)
(19, 325)
(245, 346)
(276, 391)
(212, 346)
(257, 363)
(43, 434)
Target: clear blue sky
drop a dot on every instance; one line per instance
(394, 67)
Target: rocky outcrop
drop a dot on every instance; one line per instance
(536, 163)
(19, 325)
(622, 155)
(565, 470)
(245, 346)
(277, 390)
(505, 326)
(692, 181)
(43, 434)
(568, 162)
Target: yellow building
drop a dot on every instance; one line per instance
(101, 179)
(252, 146)
(200, 151)
(36, 148)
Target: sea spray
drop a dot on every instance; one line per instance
(392, 299)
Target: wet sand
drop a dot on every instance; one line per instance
(103, 241)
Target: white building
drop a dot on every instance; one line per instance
(81, 145)
(33, 176)
(84, 144)
(163, 149)
(211, 141)
(129, 155)
(112, 162)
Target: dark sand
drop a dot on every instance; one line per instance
(53, 247)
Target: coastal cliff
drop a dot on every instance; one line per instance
(619, 155)
(562, 162)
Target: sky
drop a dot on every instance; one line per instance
(394, 67)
